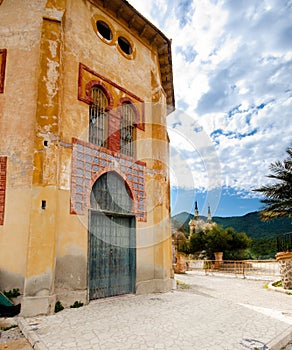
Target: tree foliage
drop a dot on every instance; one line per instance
(250, 223)
(265, 248)
(279, 194)
(218, 239)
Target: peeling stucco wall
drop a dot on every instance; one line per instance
(45, 246)
(20, 30)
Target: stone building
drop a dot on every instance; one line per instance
(85, 89)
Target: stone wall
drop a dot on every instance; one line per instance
(285, 263)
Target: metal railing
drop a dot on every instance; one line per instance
(284, 242)
(246, 268)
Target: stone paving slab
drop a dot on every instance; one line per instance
(211, 314)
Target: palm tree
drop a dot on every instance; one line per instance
(279, 194)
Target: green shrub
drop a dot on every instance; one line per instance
(76, 305)
(278, 284)
(14, 293)
(58, 306)
(182, 285)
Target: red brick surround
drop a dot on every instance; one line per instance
(3, 54)
(89, 162)
(88, 78)
(3, 166)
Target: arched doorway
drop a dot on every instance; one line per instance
(112, 238)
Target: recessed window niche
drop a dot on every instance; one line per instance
(125, 45)
(104, 30)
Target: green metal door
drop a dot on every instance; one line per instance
(112, 242)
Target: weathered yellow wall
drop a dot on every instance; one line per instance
(20, 26)
(141, 77)
(41, 255)
(42, 67)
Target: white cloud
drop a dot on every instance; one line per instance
(232, 65)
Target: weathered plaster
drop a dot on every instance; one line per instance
(20, 24)
(39, 285)
(71, 272)
(9, 280)
(40, 114)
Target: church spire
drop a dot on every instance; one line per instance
(209, 214)
(196, 216)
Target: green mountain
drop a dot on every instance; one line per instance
(250, 223)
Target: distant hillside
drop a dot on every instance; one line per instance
(250, 223)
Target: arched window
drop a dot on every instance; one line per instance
(98, 117)
(127, 145)
(111, 194)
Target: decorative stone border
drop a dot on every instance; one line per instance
(89, 162)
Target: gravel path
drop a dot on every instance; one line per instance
(12, 338)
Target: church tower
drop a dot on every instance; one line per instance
(209, 219)
(195, 219)
(196, 216)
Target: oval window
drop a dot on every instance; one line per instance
(125, 45)
(104, 30)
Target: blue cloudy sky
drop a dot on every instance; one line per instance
(232, 65)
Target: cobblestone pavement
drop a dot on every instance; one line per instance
(209, 313)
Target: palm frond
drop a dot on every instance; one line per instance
(279, 194)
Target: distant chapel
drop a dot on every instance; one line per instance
(197, 224)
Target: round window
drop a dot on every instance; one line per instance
(125, 45)
(104, 30)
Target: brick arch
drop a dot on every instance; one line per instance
(103, 87)
(129, 101)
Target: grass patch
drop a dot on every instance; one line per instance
(278, 284)
(182, 285)
(7, 328)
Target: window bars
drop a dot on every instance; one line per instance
(110, 194)
(127, 130)
(98, 117)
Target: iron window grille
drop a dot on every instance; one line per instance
(111, 194)
(127, 139)
(98, 117)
